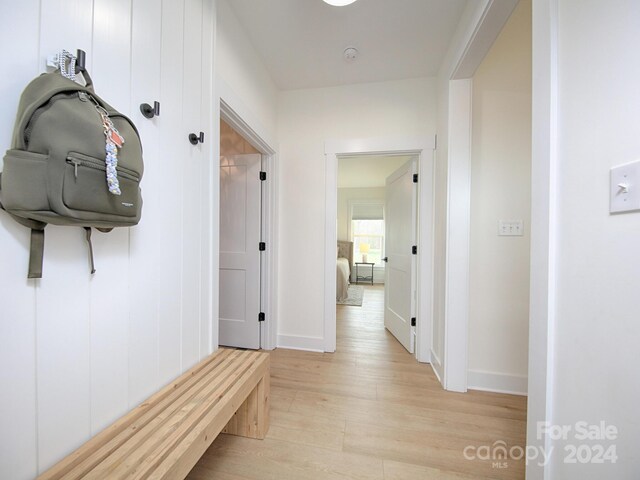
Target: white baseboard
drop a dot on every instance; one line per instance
(497, 382)
(292, 342)
(436, 365)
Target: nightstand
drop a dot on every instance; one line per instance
(364, 278)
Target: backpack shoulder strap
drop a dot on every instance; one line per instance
(36, 254)
(36, 249)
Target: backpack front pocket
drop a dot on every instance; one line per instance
(85, 187)
(24, 181)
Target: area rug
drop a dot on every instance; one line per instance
(354, 298)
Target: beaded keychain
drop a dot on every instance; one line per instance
(113, 141)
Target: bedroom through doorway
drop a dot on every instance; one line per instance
(369, 308)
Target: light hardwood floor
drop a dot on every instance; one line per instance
(368, 411)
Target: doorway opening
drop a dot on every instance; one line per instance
(247, 241)
(240, 241)
(419, 299)
(375, 269)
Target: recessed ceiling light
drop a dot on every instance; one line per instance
(339, 3)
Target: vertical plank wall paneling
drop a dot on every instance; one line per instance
(191, 233)
(170, 178)
(144, 241)
(63, 294)
(18, 420)
(208, 337)
(77, 351)
(109, 298)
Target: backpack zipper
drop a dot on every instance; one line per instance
(98, 165)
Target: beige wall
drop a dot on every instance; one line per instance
(500, 190)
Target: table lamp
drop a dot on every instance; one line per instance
(364, 249)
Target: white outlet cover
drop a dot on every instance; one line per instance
(625, 188)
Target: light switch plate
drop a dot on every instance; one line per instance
(510, 228)
(625, 188)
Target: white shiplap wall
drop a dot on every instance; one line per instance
(78, 351)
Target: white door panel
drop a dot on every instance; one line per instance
(400, 215)
(239, 254)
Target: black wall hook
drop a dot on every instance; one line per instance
(81, 60)
(148, 111)
(194, 139)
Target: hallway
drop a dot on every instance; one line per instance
(368, 411)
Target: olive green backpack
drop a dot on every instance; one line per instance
(74, 160)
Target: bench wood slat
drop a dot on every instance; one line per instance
(252, 415)
(95, 446)
(165, 436)
(147, 438)
(175, 462)
(151, 416)
(134, 455)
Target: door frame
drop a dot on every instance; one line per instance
(423, 148)
(486, 20)
(231, 109)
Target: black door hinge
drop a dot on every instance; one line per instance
(415, 178)
(262, 246)
(413, 321)
(414, 250)
(261, 317)
(263, 176)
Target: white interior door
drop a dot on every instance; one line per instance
(239, 253)
(400, 235)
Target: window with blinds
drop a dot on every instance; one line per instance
(367, 232)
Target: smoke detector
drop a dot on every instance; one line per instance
(350, 54)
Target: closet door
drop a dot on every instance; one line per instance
(239, 253)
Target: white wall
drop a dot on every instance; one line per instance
(77, 351)
(242, 70)
(306, 119)
(593, 372)
(500, 190)
(449, 64)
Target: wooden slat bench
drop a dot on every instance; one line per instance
(165, 436)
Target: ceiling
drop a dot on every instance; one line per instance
(302, 41)
(368, 171)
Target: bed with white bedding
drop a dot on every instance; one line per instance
(344, 264)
